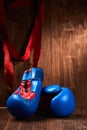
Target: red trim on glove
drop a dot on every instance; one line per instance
(27, 95)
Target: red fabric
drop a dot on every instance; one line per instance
(2, 15)
(8, 66)
(19, 3)
(34, 40)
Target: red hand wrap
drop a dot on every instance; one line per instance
(34, 40)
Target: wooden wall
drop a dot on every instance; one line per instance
(64, 47)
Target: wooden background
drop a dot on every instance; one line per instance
(64, 46)
(63, 59)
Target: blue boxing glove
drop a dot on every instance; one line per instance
(58, 100)
(24, 101)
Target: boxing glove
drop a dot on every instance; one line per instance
(24, 101)
(59, 101)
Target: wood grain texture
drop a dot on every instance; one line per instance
(64, 43)
(78, 121)
(63, 55)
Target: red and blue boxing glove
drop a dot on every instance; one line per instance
(59, 101)
(24, 101)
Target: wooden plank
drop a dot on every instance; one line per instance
(76, 121)
(4, 117)
(40, 123)
(12, 124)
(69, 124)
(54, 123)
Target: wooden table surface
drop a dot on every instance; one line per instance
(77, 121)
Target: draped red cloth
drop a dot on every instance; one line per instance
(34, 41)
